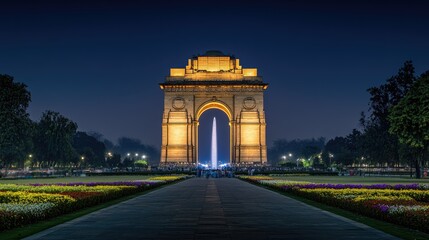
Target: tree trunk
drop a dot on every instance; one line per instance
(6, 169)
(424, 157)
(418, 173)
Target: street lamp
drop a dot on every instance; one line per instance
(284, 160)
(144, 156)
(330, 158)
(137, 154)
(290, 154)
(128, 154)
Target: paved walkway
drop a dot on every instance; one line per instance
(211, 209)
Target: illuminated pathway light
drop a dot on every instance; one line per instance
(214, 145)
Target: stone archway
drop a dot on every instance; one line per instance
(213, 80)
(214, 104)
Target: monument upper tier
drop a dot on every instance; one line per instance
(214, 66)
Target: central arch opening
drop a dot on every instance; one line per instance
(205, 136)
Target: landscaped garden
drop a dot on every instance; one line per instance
(399, 202)
(28, 201)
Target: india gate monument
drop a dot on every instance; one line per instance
(213, 81)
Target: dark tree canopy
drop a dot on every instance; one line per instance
(410, 117)
(337, 148)
(129, 145)
(15, 124)
(53, 140)
(90, 150)
(409, 120)
(113, 161)
(298, 148)
(382, 98)
(381, 146)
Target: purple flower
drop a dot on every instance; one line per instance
(93, 184)
(382, 207)
(357, 186)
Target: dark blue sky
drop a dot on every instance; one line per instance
(100, 63)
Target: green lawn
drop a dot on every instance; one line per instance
(76, 179)
(355, 179)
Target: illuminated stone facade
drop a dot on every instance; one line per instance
(213, 80)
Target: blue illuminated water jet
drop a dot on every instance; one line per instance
(214, 145)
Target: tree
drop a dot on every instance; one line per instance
(355, 144)
(92, 150)
(298, 148)
(129, 145)
(337, 151)
(53, 140)
(140, 163)
(15, 124)
(381, 146)
(107, 143)
(114, 160)
(409, 120)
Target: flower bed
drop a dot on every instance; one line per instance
(166, 178)
(403, 204)
(24, 204)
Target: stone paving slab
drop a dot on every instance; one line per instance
(211, 209)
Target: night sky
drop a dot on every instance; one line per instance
(100, 63)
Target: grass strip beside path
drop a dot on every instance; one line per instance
(28, 230)
(392, 229)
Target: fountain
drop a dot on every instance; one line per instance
(214, 145)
